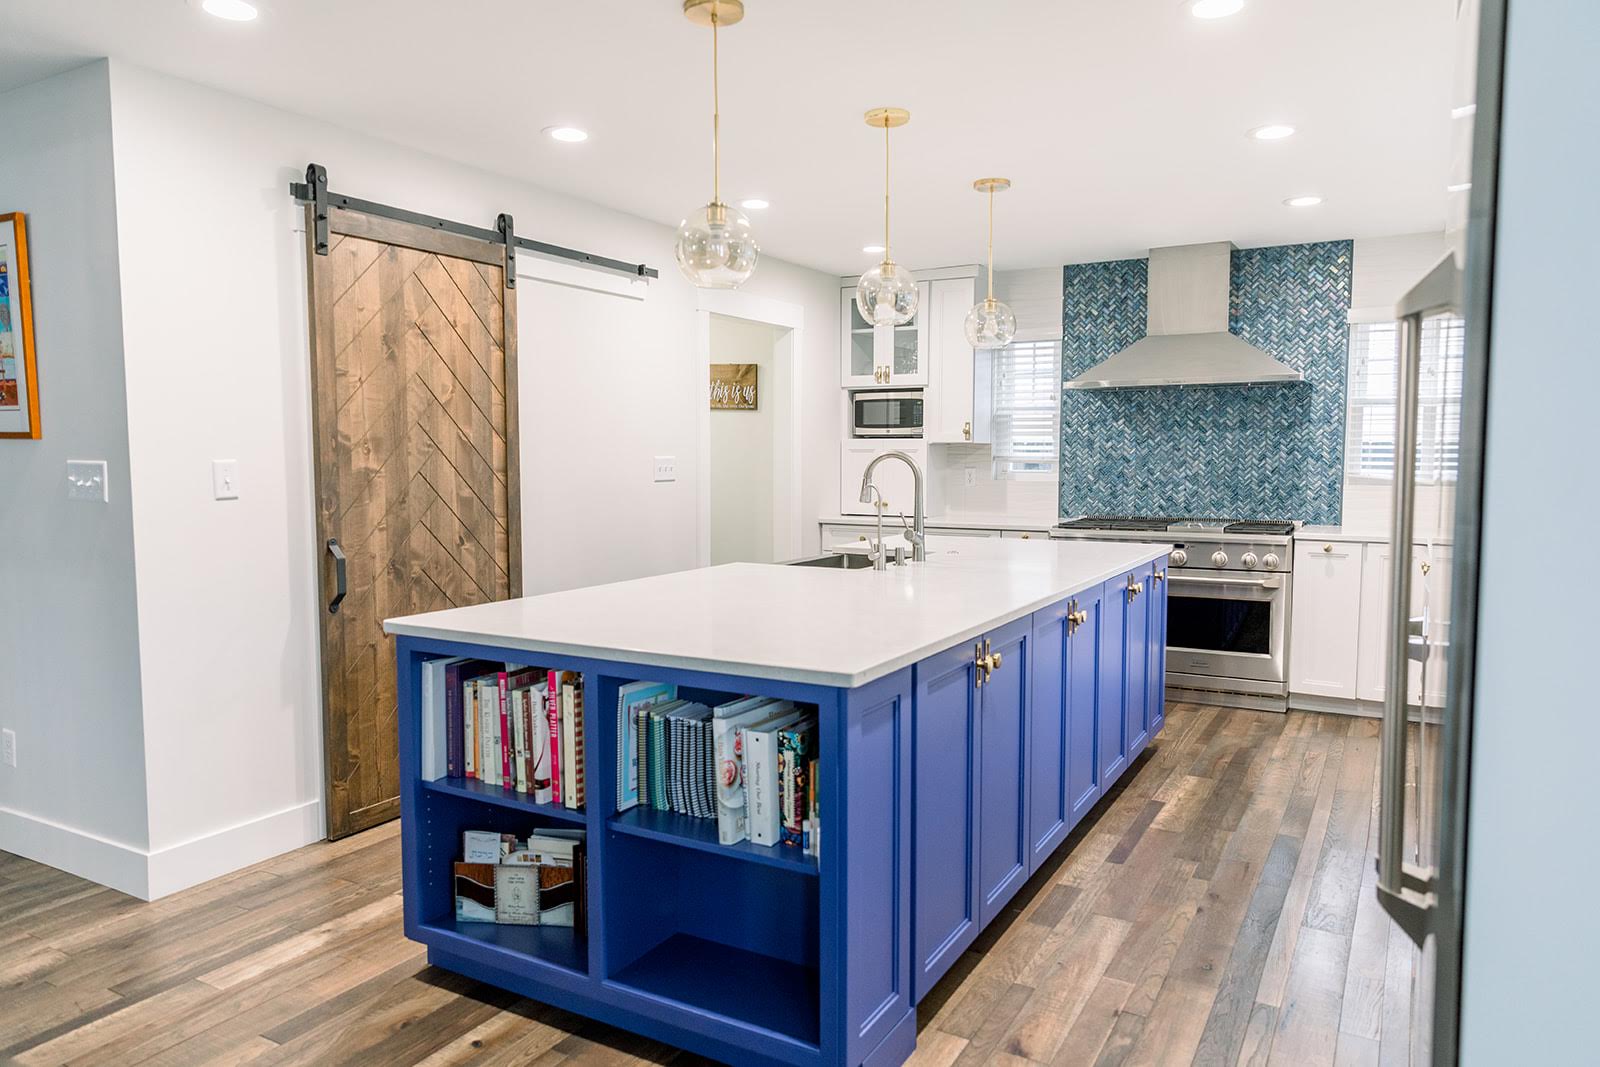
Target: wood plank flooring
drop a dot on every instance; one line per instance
(1217, 909)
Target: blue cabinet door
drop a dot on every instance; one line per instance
(1003, 768)
(1111, 741)
(1049, 809)
(944, 758)
(1156, 672)
(1082, 697)
(1136, 660)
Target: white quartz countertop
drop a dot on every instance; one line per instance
(959, 521)
(801, 624)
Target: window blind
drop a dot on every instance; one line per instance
(1370, 428)
(1027, 409)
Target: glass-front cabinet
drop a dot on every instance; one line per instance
(882, 355)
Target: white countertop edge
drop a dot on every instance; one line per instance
(948, 522)
(767, 671)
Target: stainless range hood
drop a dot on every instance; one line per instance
(1187, 340)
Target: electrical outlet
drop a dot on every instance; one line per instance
(86, 480)
(8, 747)
(225, 479)
(666, 468)
(969, 476)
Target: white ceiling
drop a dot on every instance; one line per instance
(1122, 123)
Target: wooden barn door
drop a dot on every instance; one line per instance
(413, 340)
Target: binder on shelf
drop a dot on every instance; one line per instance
(761, 777)
(728, 764)
(437, 728)
(795, 747)
(631, 700)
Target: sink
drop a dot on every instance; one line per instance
(840, 561)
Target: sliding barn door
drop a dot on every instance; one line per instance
(413, 336)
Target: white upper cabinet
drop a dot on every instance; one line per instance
(871, 356)
(893, 479)
(1324, 631)
(957, 404)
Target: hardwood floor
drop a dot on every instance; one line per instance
(1217, 909)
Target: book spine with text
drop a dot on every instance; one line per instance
(508, 740)
(580, 788)
(469, 727)
(552, 712)
(452, 724)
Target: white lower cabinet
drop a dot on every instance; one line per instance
(1339, 631)
(1324, 628)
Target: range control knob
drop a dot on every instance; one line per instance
(1178, 557)
(1271, 561)
(1219, 558)
(1249, 560)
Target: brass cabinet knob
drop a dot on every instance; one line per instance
(1024, 537)
(863, 537)
(1426, 567)
(994, 661)
(1327, 548)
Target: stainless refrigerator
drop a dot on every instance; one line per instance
(1441, 374)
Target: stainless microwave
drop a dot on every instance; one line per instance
(886, 413)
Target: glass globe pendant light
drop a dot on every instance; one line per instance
(991, 324)
(887, 294)
(716, 248)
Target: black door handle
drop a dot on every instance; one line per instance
(340, 585)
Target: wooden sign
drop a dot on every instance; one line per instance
(733, 387)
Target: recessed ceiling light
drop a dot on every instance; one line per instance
(1458, 187)
(1303, 201)
(755, 203)
(1272, 131)
(1215, 9)
(566, 134)
(872, 250)
(232, 10)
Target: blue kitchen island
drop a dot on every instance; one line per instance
(971, 710)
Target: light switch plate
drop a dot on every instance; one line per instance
(225, 479)
(666, 468)
(86, 480)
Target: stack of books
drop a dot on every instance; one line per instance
(517, 727)
(750, 764)
(542, 881)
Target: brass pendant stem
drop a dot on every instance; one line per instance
(716, 115)
(991, 246)
(886, 257)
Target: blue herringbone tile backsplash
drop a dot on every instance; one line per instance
(1264, 451)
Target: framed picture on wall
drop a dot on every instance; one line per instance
(19, 376)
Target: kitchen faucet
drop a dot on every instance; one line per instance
(917, 535)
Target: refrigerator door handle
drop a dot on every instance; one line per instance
(1405, 892)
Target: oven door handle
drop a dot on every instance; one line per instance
(1259, 583)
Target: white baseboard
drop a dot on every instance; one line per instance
(125, 868)
(211, 855)
(153, 873)
(1367, 709)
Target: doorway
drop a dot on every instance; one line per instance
(743, 442)
(750, 457)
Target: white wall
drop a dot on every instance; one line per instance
(1035, 298)
(742, 447)
(1382, 271)
(1531, 926)
(69, 666)
(214, 307)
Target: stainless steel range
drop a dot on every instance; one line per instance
(1228, 597)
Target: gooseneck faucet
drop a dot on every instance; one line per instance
(917, 535)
